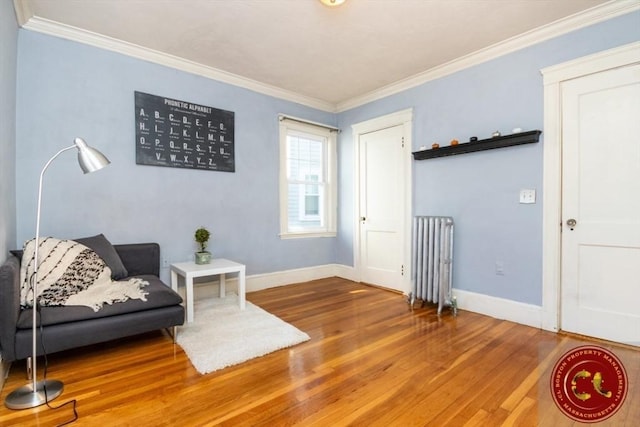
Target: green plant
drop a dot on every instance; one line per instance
(202, 237)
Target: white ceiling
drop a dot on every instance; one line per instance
(329, 56)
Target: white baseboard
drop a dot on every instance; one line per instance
(258, 282)
(499, 308)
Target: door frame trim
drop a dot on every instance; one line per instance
(553, 77)
(404, 118)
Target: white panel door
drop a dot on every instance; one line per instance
(601, 192)
(382, 207)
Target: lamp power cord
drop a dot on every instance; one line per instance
(72, 402)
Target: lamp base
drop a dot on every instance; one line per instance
(26, 397)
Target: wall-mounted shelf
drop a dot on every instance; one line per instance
(480, 145)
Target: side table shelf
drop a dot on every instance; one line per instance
(217, 267)
(480, 145)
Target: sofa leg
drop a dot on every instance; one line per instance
(175, 335)
(29, 370)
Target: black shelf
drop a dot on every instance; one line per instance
(480, 145)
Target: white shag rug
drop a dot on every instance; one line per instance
(222, 335)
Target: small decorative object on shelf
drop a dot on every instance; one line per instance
(435, 145)
(473, 139)
(201, 236)
(496, 134)
(480, 145)
(454, 142)
(516, 130)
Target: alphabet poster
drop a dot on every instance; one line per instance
(183, 135)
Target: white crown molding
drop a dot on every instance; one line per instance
(23, 11)
(566, 25)
(574, 22)
(68, 32)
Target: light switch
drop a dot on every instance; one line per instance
(527, 196)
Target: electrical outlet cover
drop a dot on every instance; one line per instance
(527, 196)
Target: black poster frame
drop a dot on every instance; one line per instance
(181, 134)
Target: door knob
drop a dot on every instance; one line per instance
(571, 223)
(362, 218)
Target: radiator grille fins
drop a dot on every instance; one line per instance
(432, 258)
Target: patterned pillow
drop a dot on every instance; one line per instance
(108, 253)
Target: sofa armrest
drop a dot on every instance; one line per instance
(140, 258)
(9, 306)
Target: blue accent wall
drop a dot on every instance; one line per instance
(481, 190)
(67, 89)
(8, 64)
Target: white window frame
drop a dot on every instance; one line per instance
(328, 209)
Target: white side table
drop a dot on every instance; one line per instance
(218, 266)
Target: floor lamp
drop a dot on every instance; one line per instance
(40, 392)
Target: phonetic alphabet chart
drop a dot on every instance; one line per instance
(181, 134)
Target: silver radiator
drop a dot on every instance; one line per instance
(432, 258)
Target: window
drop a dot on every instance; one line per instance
(310, 205)
(307, 180)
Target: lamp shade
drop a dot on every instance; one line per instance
(90, 159)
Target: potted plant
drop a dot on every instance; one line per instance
(202, 236)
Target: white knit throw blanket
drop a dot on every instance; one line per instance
(70, 273)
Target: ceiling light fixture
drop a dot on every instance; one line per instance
(332, 3)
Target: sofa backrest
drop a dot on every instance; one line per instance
(140, 258)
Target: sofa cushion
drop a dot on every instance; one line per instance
(107, 252)
(160, 295)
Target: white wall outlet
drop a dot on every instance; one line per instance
(165, 263)
(527, 196)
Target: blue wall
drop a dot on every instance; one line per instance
(68, 89)
(481, 190)
(8, 62)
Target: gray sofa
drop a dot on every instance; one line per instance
(74, 326)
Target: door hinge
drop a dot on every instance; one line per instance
(403, 142)
(402, 270)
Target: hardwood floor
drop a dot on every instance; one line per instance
(371, 361)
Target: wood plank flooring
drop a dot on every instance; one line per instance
(371, 361)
